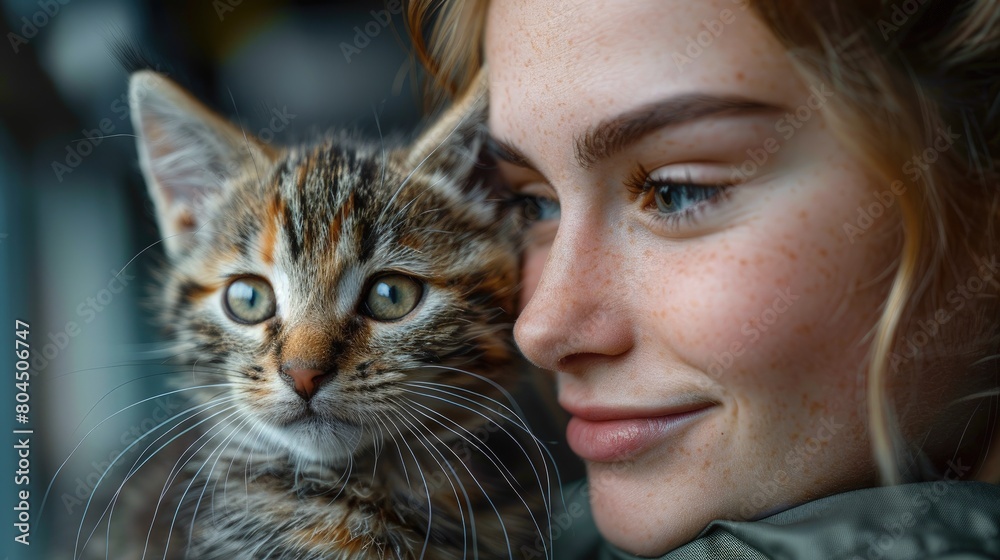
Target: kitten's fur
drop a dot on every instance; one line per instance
(368, 467)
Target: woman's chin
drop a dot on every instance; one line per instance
(642, 517)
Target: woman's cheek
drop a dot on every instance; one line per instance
(772, 299)
(733, 307)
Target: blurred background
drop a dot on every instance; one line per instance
(77, 235)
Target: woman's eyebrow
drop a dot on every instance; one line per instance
(506, 151)
(617, 133)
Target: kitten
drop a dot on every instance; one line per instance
(347, 308)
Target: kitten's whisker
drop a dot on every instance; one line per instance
(260, 439)
(463, 428)
(515, 419)
(539, 445)
(402, 461)
(257, 427)
(427, 488)
(471, 439)
(245, 139)
(115, 388)
(142, 459)
(93, 492)
(109, 367)
(175, 471)
(426, 443)
(542, 450)
(219, 449)
(55, 475)
(400, 214)
(504, 471)
(251, 433)
(225, 443)
(381, 141)
(377, 443)
(346, 478)
(452, 478)
(209, 437)
(194, 410)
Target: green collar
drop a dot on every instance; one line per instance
(951, 520)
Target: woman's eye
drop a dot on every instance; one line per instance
(250, 300)
(392, 297)
(677, 201)
(672, 198)
(540, 208)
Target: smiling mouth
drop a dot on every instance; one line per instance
(608, 436)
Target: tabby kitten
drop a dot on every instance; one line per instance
(347, 308)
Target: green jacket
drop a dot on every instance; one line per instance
(944, 520)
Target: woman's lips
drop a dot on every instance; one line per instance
(602, 438)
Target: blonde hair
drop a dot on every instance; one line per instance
(903, 71)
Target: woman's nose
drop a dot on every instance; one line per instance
(577, 311)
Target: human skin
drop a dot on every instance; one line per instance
(635, 314)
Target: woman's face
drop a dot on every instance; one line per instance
(704, 286)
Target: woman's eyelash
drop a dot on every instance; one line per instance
(679, 202)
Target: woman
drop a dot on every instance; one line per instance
(764, 269)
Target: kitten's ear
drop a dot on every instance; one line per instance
(456, 140)
(186, 153)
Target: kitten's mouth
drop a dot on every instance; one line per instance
(308, 416)
(310, 437)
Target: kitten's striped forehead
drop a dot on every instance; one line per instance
(310, 220)
(329, 216)
(318, 191)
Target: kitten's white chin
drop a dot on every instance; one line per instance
(317, 441)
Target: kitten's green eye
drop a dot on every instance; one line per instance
(392, 297)
(249, 300)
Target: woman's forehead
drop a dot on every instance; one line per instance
(558, 68)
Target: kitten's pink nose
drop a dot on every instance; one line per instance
(306, 381)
